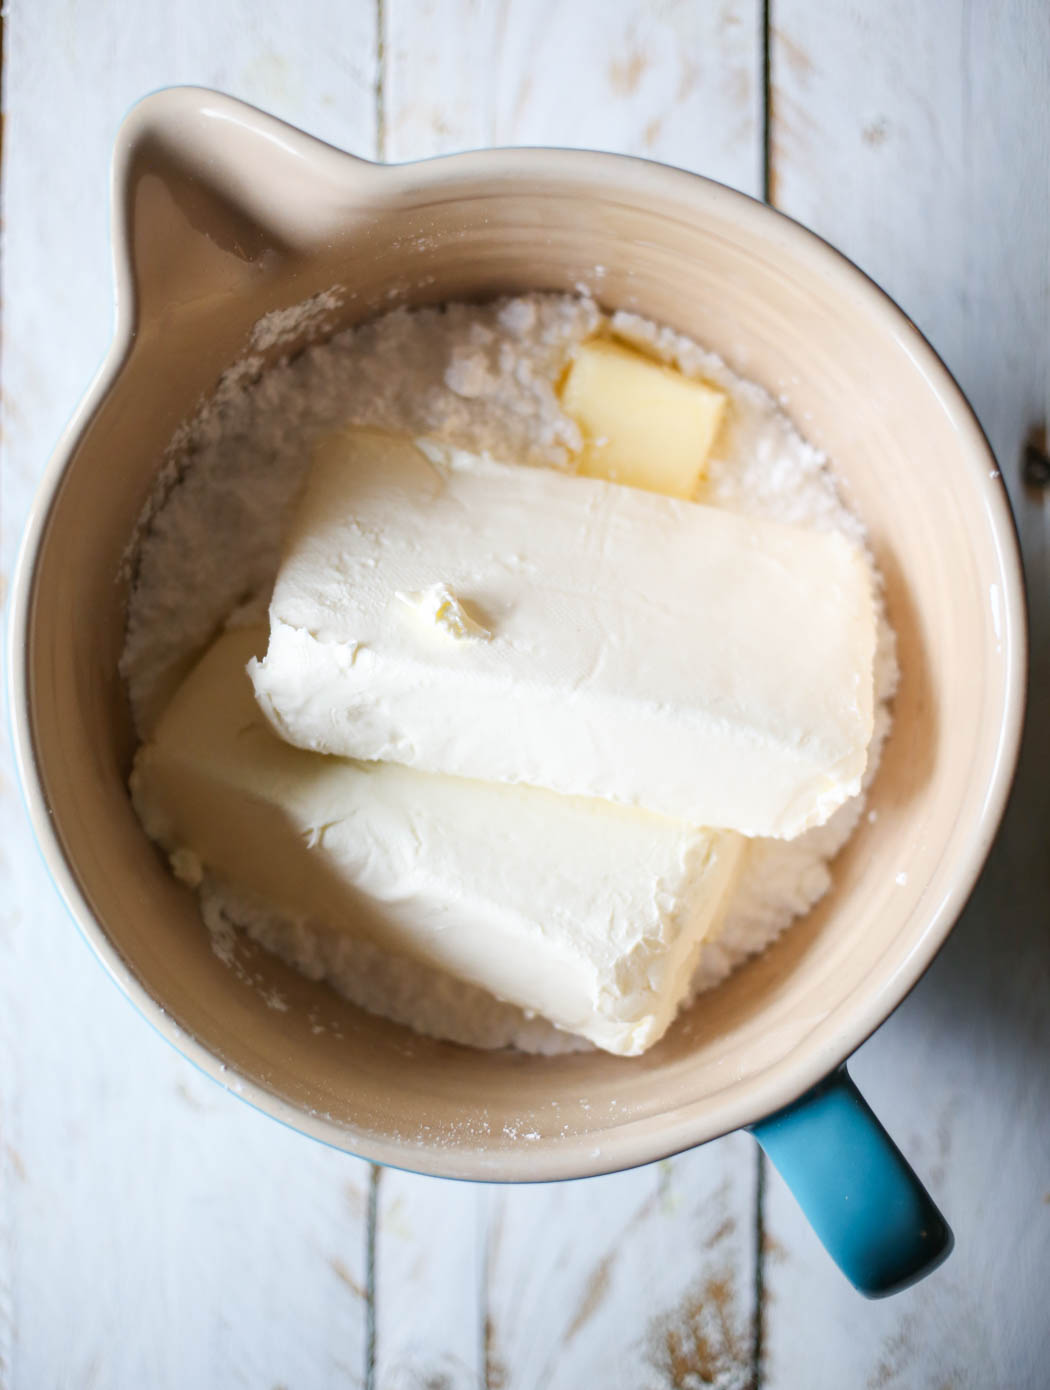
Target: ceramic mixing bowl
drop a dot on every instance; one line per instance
(221, 214)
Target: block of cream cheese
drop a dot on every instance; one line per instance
(517, 624)
(587, 913)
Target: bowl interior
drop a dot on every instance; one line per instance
(781, 309)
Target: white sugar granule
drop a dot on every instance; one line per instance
(481, 377)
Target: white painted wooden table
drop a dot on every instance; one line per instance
(154, 1232)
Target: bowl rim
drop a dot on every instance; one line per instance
(782, 1081)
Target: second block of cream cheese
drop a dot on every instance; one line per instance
(516, 624)
(587, 913)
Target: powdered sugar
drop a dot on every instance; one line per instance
(210, 539)
(482, 377)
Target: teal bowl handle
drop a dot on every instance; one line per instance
(875, 1218)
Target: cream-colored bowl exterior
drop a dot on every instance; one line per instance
(221, 214)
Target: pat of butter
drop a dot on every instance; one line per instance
(678, 658)
(644, 424)
(586, 913)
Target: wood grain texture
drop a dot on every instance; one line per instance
(154, 1231)
(636, 1281)
(430, 1323)
(558, 1269)
(675, 81)
(915, 139)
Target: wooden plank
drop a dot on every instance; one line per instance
(429, 1283)
(637, 1281)
(624, 1281)
(915, 138)
(678, 82)
(153, 1230)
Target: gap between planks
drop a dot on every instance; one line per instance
(766, 85)
(380, 82)
(371, 1236)
(769, 197)
(372, 1213)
